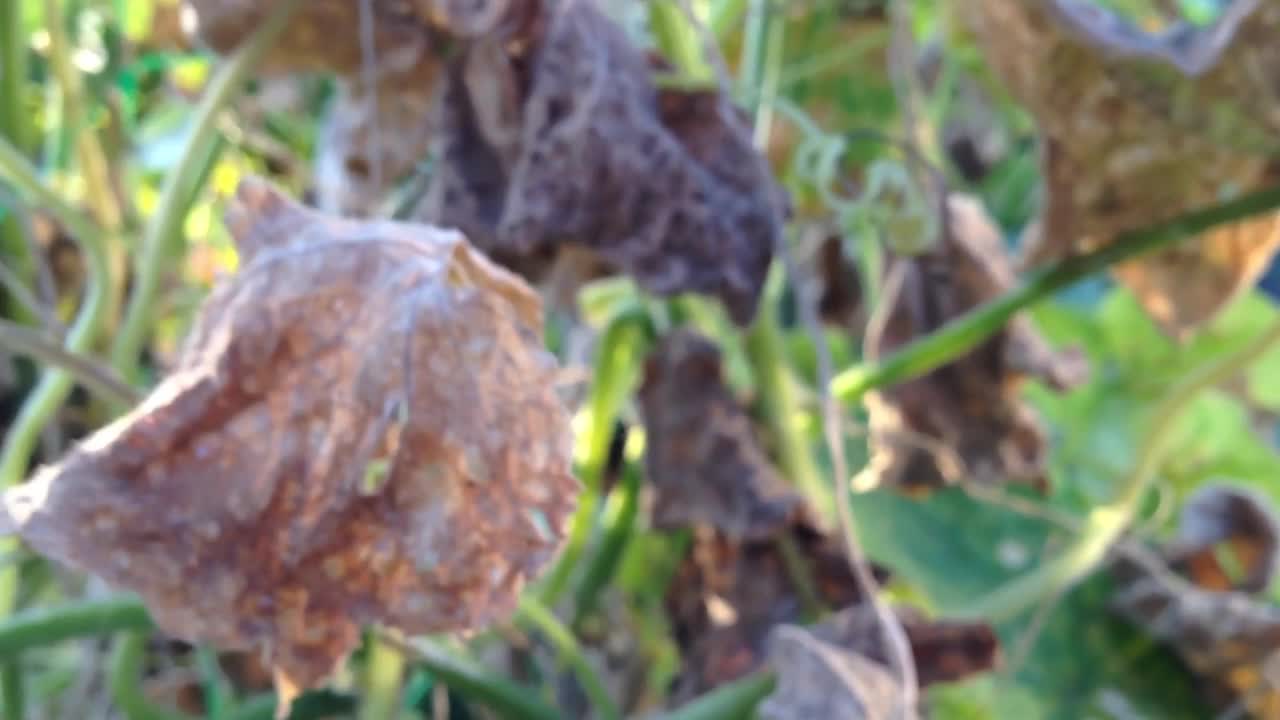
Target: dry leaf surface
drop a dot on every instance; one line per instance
(322, 35)
(1226, 634)
(553, 132)
(965, 421)
(727, 595)
(701, 455)
(1137, 128)
(361, 428)
(838, 669)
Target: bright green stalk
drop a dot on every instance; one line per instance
(507, 699)
(679, 40)
(533, 613)
(383, 676)
(175, 197)
(966, 332)
(15, 125)
(617, 366)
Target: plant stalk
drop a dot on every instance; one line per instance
(175, 197)
(967, 331)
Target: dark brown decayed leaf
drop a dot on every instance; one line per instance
(1230, 639)
(556, 134)
(701, 455)
(965, 421)
(1137, 128)
(838, 668)
(362, 427)
(727, 595)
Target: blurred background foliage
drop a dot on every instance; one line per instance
(141, 81)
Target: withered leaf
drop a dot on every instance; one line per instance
(839, 668)
(1228, 637)
(1138, 128)
(556, 134)
(701, 455)
(322, 35)
(373, 136)
(965, 421)
(821, 681)
(727, 595)
(362, 427)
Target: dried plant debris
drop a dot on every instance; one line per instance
(839, 668)
(1230, 638)
(701, 454)
(818, 680)
(553, 132)
(965, 421)
(322, 35)
(727, 595)
(371, 137)
(362, 427)
(1235, 520)
(840, 302)
(1138, 128)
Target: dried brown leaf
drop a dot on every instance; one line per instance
(727, 595)
(1138, 128)
(839, 668)
(372, 137)
(1226, 636)
(323, 35)
(965, 421)
(554, 133)
(701, 455)
(362, 427)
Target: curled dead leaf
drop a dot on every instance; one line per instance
(701, 455)
(1228, 637)
(965, 421)
(1137, 128)
(555, 134)
(362, 427)
(838, 669)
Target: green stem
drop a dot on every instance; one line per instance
(1104, 524)
(621, 510)
(678, 40)
(534, 613)
(39, 346)
(16, 127)
(218, 693)
(126, 670)
(12, 691)
(93, 161)
(507, 699)
(383, 675)
(41, 627)
(967, 331)
(618, 355)
(171, 211)
(778, 403)
(54, 384)
(737, 699)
